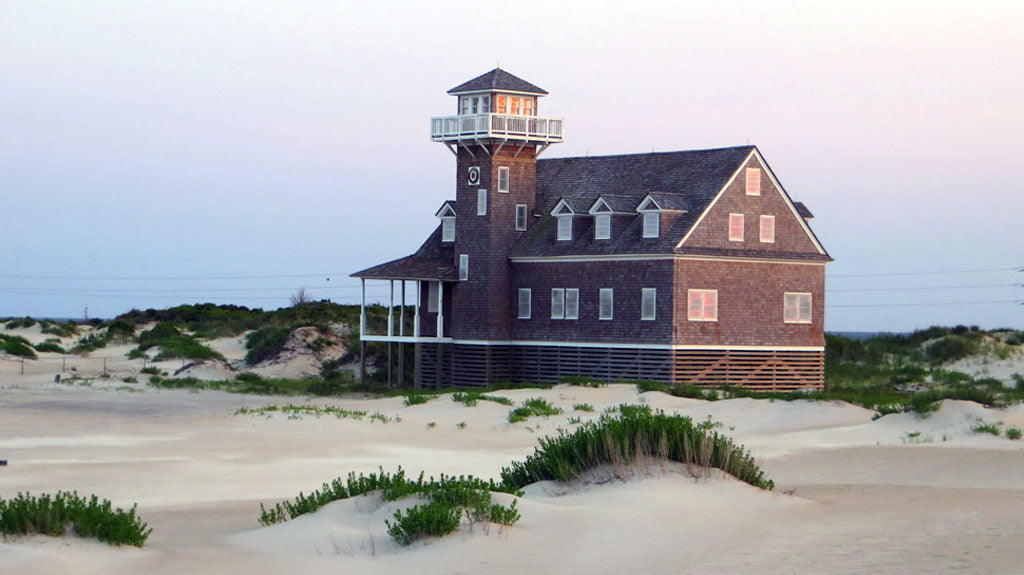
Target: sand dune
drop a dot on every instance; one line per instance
(853, 494)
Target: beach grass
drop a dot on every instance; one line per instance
(53, 514)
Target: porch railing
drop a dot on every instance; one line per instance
(476, 126)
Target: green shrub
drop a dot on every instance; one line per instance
(89, 343)
(20, 323)
(52, 515)
(16, 345)
(1014, 433)
(990, 428)
(636, 432)
(645, 385)
(581, 380)
(431, 520)
(265, 343)
(583, 407)
(531, 407)
(67, 329)
(120, 330)
(150, 370)
(951, 348)
(470, 398)
(416, 399)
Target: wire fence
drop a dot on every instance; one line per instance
(91, 365)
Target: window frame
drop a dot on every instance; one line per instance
(567, 220)
(703, 315)
(463, 267)
(742, 226)
(447, 230)
(761, 234)
(657, 224)
(607, 219)
(507, 179)
(433, 297)
(529, 303)
(797, 307)
(572, 311)
(558, 295)
(481, 202)
(653, 292)
(601, 303)
(753, 184)
(526, 217)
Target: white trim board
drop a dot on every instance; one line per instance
(667, 346)
(652, 257)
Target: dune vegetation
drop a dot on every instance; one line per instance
(55, 514)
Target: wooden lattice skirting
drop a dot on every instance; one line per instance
(476, 365)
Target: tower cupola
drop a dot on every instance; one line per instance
(496, 107)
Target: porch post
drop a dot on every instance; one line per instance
(362, 332)
(416, 317)
(440, 309)
(401, 332)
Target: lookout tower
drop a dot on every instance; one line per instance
(496, 136)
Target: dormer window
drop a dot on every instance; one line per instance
(652, 224)
(563, 215)
(447, 229)
(602, 226)
(565, 228)
(447, 215)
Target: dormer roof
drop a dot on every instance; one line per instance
(447, 210)
(562, 208)
(663, 202)
(497, 80)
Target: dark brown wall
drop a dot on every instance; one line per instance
(713, 231)
(481, 303)
(626, 278)
(750, 303)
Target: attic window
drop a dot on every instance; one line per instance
(602, 226)
(652, 224)
(564, 228)
(767, 229)
(447, 229)
(753, 181)
(503, 179)
(735, 227)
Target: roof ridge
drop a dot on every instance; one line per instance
(748, 146)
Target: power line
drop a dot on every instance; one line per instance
(172, 278)
(925, 304)
(925, 288)
(1015, 268)
(82, 291)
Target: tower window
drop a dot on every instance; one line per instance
(481, 202)
(525, 303)
(753, 181)
(463, 267)
(565, 228)
(768, 229)
(447, 229)
(648, 301)
(652, 224)
(520, 217)
(602, 226)
(735, 227)
(503, 173)
(606, 303)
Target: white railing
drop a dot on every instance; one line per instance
(476, 126)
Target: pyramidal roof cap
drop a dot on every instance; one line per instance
(497, 79)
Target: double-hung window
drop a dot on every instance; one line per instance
(735, 227)
(520, 217)
(447, 229)
(606, 303)
(648, 303)
(481, 202)
(652, 224)
(463, 267)
(702, 305)
(753, 181)
(602, 226)
(767, 229)
(433, 296)
(503, 174)
(564, 228)
(797, 308)
(525, 303)
(557, 303)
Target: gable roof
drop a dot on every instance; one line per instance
(687, 180)
(447, 210)
(497, 79)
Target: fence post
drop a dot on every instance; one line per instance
(104, 365)
(63, 364)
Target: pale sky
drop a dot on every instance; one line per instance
(239, 139)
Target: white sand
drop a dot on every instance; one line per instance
(853, 495)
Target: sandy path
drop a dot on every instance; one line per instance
(865, 499)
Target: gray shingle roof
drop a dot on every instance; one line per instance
(497, 79)
(679, 181)
(433, 260)
(801, 209)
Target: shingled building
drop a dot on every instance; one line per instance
(682, 267)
